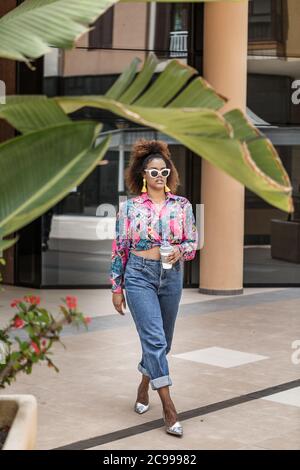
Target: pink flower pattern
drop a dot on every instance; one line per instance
(140, 227)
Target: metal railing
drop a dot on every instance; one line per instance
(178, 43)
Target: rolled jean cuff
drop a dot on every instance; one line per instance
(143, 370)
(163, 381)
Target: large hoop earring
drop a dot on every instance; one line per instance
(144, 188)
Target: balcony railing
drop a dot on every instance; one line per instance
(178, 43)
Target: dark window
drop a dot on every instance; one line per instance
(171, 30)
(179, 16)
(162, 28)
(102, 34)
(265, 20)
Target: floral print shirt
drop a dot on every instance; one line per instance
(139, 226)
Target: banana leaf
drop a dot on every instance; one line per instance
(39, 168)
(30, 30)
(184, 106)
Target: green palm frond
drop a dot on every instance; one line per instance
(30, 30)
(41, 167)
(184, 106)
(54, 154)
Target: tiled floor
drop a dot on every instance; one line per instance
(226, 352)
(289, 397)
(220, 357)
(98, 301)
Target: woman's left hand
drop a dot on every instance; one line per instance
(175, 256)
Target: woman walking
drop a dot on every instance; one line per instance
(156, 217)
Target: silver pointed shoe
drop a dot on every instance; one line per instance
(176, 429)
(140, 408)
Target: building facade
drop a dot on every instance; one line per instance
(257, 244)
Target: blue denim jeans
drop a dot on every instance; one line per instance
(153, 295)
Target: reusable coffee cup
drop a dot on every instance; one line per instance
(164, 253)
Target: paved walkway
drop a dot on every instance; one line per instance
(235, 384)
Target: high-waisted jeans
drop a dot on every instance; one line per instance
(153, 295)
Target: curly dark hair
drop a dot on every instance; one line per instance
(143, 151)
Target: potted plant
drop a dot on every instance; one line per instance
(34, 330)
(18, 422)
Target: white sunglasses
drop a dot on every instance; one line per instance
(154, 173)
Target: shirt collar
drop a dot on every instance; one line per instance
(145, 197)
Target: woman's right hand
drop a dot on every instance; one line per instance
(118, 301)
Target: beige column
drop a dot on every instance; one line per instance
(225, 68)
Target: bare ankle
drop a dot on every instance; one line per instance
(168, 405)
(144, 387)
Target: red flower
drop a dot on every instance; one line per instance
(35, 347)
(44, 344)
(87, 320)
(15, 302)
(71, 302)
(18, 323)
(32, 299)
